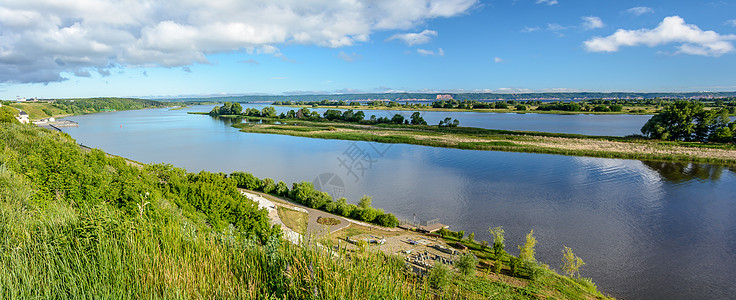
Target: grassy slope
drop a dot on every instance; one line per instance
(71, 245)
(35, 110)
(502, 140)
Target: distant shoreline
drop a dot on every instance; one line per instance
(470, 138)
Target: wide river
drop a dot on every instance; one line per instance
(646, 230)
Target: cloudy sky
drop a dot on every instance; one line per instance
(148, 48)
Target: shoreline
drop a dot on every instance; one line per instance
(469, 138)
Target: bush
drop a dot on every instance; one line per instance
(466, 264)
(439, 276)
(268, 185)
(247, 180)
(282, 189)
(387, 220)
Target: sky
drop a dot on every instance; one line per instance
(152, 48)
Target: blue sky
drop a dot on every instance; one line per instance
(142, 48)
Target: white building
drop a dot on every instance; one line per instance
(23, 117)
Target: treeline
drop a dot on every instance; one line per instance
(689, 121)
(400, 97)
(305, 193)
(93, 105)
(591, 105)
(349, 115)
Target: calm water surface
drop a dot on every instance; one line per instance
(646, 230)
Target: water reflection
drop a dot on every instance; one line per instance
(683, 172)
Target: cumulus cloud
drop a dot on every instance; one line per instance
(426, 52)
(412, 39)
(41, 39)
(592, 23)
(497, 59)
(548, 2)
(691, 39)
(639, 10)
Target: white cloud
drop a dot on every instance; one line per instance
(412, 39)
(349, 57)
(530, 29)
(592, 23)
(497, 59)
(548, 2)
(731, 22)
(555, 27)
(41, 39)
(425, 52)
(673, 29)
(639, 10)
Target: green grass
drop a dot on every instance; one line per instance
(495, 140)
(38, 110)
(295, 220)
(77, 224)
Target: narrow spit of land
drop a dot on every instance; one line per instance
(498, 140)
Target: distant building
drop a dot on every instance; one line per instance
(444, 97)
(23, 117)
(20, 99)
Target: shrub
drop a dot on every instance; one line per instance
(268, 185)
(282, 189)
(387, 220)
(466, 264)
(439, 276)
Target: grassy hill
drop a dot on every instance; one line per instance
(81, 224)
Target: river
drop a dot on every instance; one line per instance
(646, 230)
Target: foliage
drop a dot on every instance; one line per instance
(439, 275)
(690, 121)
(448, 122)
(562, 106)
(228, 108)
(499, 247)
(466, 264)
(268, 185)
(246, 180)
(571, 263)
(7, 115)
(93, 105)
(471, 237)
(526, 252)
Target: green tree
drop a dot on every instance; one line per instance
(282, 189)
(571, 263)
(365, 201)
(268, 112)
(268, 185)
(416, 119)
(466, 264)
(471, 236)
(682, 121)
(499, 246)
(526, 252)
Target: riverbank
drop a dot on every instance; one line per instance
(627, 110)
(499, 140)
(108, 236)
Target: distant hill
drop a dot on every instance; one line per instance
(457, 96)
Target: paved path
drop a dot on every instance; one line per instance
(314, 229)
